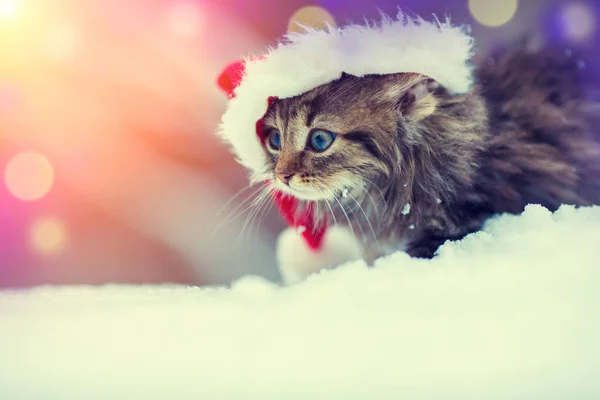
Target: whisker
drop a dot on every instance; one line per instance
(244, 205)
(375, 205)
(317, 210)
(251, 221)
(266, 209)
(255, 205)
(260, 204)
(224, 207)
(368, 222)
(345, 213)
(332, 213)
(378, 189)
(356, 218)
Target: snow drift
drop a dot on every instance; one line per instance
(512, 312)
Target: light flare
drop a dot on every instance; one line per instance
(578, 21)
(184, 19)
(493, 14)
(8, 9)
(29, 176)
(310, 16)
(48, 235)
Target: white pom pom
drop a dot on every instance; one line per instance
(297, 261)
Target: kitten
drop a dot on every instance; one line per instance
(410, 166)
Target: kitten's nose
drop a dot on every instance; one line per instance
(284, 177)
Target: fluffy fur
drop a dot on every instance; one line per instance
(414, 165)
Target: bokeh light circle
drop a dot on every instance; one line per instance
(311, 16)
(29, 176)
(48, 235)
(578, 20)
(184, 19)
(493, 13)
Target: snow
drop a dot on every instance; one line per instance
(511, 312)
(406, 209)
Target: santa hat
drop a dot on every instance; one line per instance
(303, 61)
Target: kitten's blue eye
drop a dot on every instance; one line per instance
(275, 140)
(321, 140)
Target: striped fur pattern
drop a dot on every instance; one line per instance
(413, 164)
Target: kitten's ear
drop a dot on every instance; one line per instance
(346, 75)
(418, 100)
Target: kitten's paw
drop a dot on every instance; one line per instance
(297, 261)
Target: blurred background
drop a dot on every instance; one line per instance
(110, 171)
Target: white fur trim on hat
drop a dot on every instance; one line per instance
(296, 261)
(303, 61)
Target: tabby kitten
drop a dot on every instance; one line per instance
(410, 166)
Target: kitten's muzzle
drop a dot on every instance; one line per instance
(284, 177)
